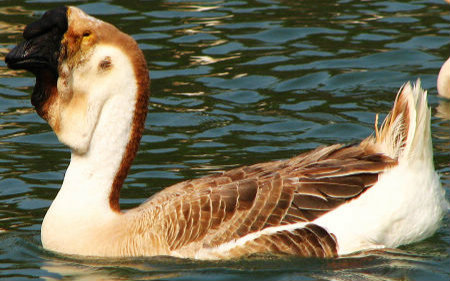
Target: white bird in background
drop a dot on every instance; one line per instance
(443, 81)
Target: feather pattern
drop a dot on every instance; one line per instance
(208, 212)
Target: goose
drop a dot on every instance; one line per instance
(92, 87)
(443, 81)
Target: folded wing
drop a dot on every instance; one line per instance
(257, 205)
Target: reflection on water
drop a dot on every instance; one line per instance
(443, 110)
(375, 265)
(233, 82)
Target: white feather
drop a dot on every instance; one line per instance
(407, 203)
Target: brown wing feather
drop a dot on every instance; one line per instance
(309, 241)
(213, 210)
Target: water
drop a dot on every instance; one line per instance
(233, 83)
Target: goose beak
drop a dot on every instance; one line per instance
(40, 50)
(32, 55)
(40, 53)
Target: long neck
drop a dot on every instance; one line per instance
(87, 204)
(98, 174)
(96, 177)
(83, 211)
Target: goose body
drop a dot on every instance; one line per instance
(92, 88)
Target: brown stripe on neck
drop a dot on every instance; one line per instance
(140, 113)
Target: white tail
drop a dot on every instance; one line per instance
(407, 203)
(405, 134)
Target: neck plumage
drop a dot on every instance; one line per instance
(97, 176)
(87, 204)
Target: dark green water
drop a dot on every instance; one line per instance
(233, 83)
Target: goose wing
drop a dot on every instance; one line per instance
(221, 208)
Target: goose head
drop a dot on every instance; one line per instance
(81, 63)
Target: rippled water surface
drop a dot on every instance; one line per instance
(233, 83)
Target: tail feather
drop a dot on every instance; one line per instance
(405, 133)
